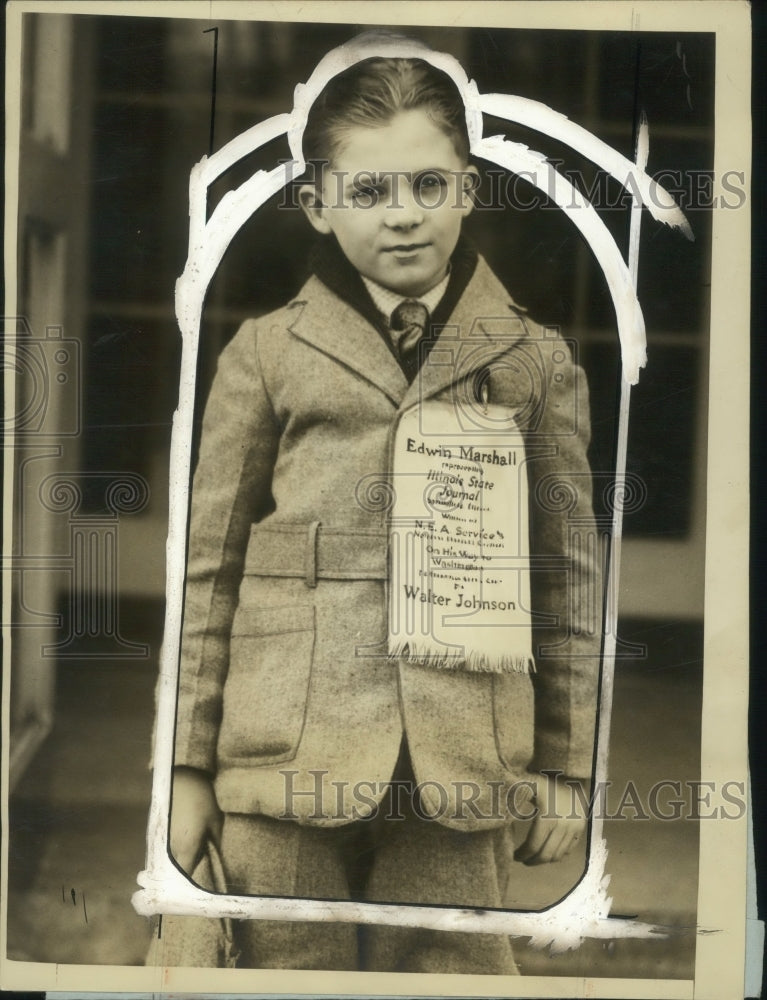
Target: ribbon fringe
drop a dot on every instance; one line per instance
(423, 654)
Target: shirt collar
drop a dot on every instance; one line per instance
(387, 300)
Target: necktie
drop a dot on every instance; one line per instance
(408, 323)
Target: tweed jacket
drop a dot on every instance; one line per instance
(286, 694)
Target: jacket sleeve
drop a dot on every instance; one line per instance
(566, 559)
(231, 490)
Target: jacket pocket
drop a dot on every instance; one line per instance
(267, 687)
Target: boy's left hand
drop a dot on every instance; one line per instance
(559, 825)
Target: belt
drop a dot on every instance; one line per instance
(313, 552)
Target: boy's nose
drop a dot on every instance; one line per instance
(404, 211)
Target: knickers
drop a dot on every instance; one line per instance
(406, 860)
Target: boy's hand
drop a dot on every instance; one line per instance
(558, 826)
(194, 816)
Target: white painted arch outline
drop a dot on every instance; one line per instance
(584, 912)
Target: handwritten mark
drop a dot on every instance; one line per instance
(207, 31)
(680, 54)
(73, 897)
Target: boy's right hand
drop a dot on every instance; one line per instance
(194, 818)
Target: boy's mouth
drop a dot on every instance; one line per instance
(406, 248)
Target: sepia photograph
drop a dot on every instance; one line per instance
(373, 600)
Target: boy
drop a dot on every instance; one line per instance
(294, 726)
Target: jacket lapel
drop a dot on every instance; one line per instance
(334, 327)
(484, 325)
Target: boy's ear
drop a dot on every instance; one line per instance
(314, 210)
(469, 182)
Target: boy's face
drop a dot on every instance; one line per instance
(395, 198)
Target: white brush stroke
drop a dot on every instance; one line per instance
(612, 577)
(584, 912)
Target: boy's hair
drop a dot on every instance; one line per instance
(370, 93)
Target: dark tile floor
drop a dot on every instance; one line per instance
(78, 819)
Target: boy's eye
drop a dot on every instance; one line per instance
(366, 195)
(430, 188)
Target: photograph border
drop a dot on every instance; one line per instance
(726, 539)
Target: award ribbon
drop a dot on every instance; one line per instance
(459, 549)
